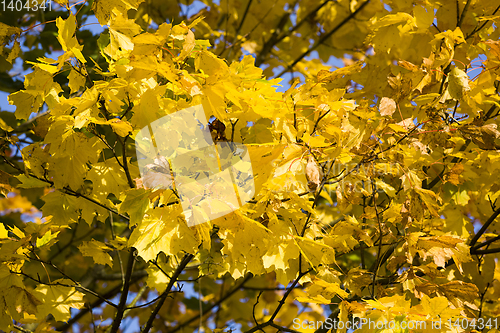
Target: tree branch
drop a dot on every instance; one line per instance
(283, 329)
(270, 322)
(123, 298)
(485, 243)
(441, 174)
(245, 13)
(221, 300)
(476, 30)
(324, 38)
(21, 329)
(68, 191)
(125, 165)
(187, 258)
(486, 251)
(77, 285)
(482, 230)
(272, 41)
(110, 294)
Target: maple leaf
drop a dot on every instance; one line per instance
(98, 251)
(66, 39)
(163, 230)
(322, 292)
(23, 303)
(58, 299)
(106, 10)
(406, 204)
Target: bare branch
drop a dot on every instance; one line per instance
(123, 298)
(187, 258)
(482, 231)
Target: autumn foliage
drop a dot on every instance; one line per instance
(376, 180)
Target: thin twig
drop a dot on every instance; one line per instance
(476, 30)
(324, 38)
(270, 322)
(109, 294)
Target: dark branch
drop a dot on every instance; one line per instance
(482, 231)
(486, 251)
(110, 294)
(476, 30)
(123, 298)
(270, 322)
(187, 258)
(486, 243)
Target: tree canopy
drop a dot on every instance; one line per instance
(371, 128)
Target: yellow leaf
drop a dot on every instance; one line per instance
(458, 83)
(423, 17)
(58, 299)
(134, 202)
(121, 127)
(327, 76)
(45, 67)
(163, 230)
(388, 189)
(14, 52)
(314, 174)
(63, 3)
(26, 101)
(314, 251)
(118, 243)
(461, 290)
(76, 80)
(106, 10)
(157, 278)
(21, 303)
(188, 45)
(392, 19)
(98, 251)
(430, 199)
(343, 316)
(4, 233)
(48, 238)
(326, 291)
(61, 206)
(6, 32)
(435, 305)
(30, 182)
(66, 31)
(410, 180)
